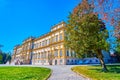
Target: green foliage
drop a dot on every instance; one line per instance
(24, 73)
(89, 71)
(118, 48)
(1, 58)
(117, 36)
(4, 57)
(85, 31)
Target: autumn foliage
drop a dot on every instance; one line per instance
(108, 11)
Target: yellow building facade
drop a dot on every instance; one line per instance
(22, 53)
(48, 49)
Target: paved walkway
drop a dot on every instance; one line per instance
(63, 72)
(60, 72)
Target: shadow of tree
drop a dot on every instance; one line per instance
(114, 69)
(111, 69)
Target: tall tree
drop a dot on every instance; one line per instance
(86, 32)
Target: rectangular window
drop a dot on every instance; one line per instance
(61, 52)
(56, 53)
(36, 45)
(41, 55)
(42, 43)
(49, 41)
(31, 46)
(72, 54)
(45, 42)
(60, 37)
(44, 61)
(52, 39)
(38, 55)
(35, 56)
(56, 38)
(44, 54)
(67, 53)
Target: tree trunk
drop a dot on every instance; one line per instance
(104, 68)
(100, 56)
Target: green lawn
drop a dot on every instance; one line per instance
(95, 73)
(24, 73)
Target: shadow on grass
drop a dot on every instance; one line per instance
(28, 77)
(111, 69)
(115, 69)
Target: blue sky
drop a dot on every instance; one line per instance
(20, 19)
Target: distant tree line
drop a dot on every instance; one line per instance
(4, 57)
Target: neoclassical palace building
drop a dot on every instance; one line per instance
(48, 49)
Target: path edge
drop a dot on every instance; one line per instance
(81, 74)
(49, 75)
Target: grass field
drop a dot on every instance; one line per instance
(95, 73)
(24, 73)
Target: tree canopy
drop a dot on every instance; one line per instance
(86, 32)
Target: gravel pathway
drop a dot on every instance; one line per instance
(63, 72)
